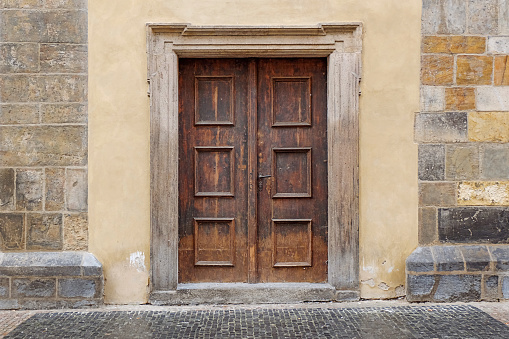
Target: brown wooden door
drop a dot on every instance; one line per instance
(252, 170)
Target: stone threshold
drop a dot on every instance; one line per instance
(243, 293)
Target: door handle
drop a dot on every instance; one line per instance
(264, 176)
(260, 182)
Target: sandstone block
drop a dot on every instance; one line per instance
(12, 232)
(441, 127)
(62, 26)
(64, 113)
(33, 288)
(503, 17)
(459, 98)
(443, 16)
(477, 257)
(4, 288)
(437, 70)
(491, 288)
(431, 165)
(454, 44)
(44, 231)
(63, 58)
(27, 4)
(473, 225)
(474, 70)
(75, 232)
(461, 162)
(492, 98)
(498, 45)
(78, 288)
(495, 162)
(482, 16)
(483, 193)
(488, 126)
(448, 258)
(501, 75)
(13, 114)
(432, 98)
(427, 225)
(29, 193)
(55, 181)
(6, 189)
(453, 288)
(19, 58)
(76, 188)
(43, 145)
(45, 88)
(437, 194)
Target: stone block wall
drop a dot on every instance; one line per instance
(43, 125)
(463, 126)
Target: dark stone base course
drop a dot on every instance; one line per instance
(384, 322)
(458, 273)
(49, 280)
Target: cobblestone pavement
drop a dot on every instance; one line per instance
(320, 320)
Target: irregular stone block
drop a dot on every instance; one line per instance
(431, 165)
(437, 194)
(76, 189)
(503, 17)
(441, 127)
(501, 257)
(6, 189)
(484, 193)
(488, 126)
(459, 98)
(489, 98)
(63, 58)
(432, 98)
(448, 258)
(419, 287)
(490, 288)
(4, 288)
(46, 264)
(43, 145)
(427, 225)
(22, 4)
(437, 70)
(29, 190)
(501, 75)
(421, 260)
(19, 58)
(443, 16)
(43, 88)
(61, 26)
(453, 288)
(495, 162)
(64, 113)
(474, 225)
(12, 232)
(454, 44)
(461, 162)
(482, 16)
(44, 231)
(66, 4)
(13, 114)
(505, 287)
(474, 70)
(477, 258)
(91, 266)
(55, 181)
(498, 45)
(78, 288)
(76, 232)
(33, 288)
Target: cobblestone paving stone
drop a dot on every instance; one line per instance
(429, 321)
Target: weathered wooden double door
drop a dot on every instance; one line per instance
(252, 170)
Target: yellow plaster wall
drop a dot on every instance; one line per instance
(119, 204)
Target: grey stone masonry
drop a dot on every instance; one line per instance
(38, 280)
(458, 273)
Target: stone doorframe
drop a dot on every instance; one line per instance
(341, 43)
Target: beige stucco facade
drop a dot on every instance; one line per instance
(119, 130)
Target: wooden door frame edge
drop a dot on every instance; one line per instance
(341, 43)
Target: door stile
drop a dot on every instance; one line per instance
(252, 203)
